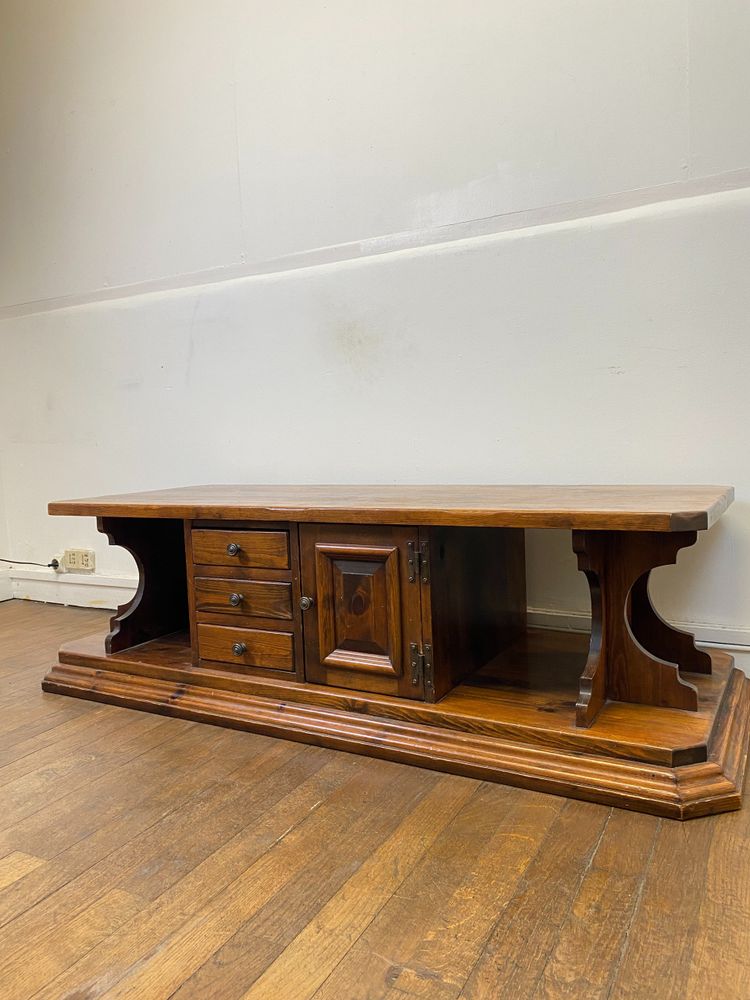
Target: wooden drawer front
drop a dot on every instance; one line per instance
(261, 549)
(274, 650)
(260, 598)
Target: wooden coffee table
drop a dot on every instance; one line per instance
(391, 621)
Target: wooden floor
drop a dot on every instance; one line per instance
(151, 857)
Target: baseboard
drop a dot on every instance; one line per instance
(74, 589)
(704, 632)
(563, 621)
(6, 585)
(734, 640)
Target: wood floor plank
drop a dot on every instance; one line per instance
(155, 746)
(588, 950)
(138, 843)
(16, 865)
(426, 938)
(71, 733)
(315, 953)
(79, 831)
(55, 951)
(186, 950)
(514, 959)
(146, 934)
(86, 730)
(154, 861)
(24, 793)
(720, 959)
(33, 722)
(657, 958)
(259, 940)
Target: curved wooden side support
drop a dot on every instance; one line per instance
(620, 666)
(661, 638)
(160, 604)
(592, 690)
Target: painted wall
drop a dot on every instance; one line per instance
(237, 239)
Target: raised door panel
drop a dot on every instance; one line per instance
(366, 612)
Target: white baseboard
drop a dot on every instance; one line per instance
(734, 640)
(707, 633)
(566, 621)
(75, 589)
(6, 586)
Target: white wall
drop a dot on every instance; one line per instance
(239, 237)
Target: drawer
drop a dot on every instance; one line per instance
(260, 549)
(261, 598)
(248, 647)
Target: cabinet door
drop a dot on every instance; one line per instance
(366, 612)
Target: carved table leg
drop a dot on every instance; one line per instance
(634, 654)
(159, 605)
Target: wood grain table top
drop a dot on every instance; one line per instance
(622, 508)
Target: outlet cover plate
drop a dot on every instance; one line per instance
(79, 560)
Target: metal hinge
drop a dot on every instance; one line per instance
(421, 665)
(417, 663)
(429, 676)
(418, 561)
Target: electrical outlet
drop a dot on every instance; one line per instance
(79, 561)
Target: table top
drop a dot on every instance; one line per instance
(620, 508)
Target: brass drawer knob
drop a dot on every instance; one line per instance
(239, 648)
(236, 599)
(233, 549)
(305, 603)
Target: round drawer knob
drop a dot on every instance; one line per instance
(235, 600)
(239, 648)
(305, 603)
(233, 549)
